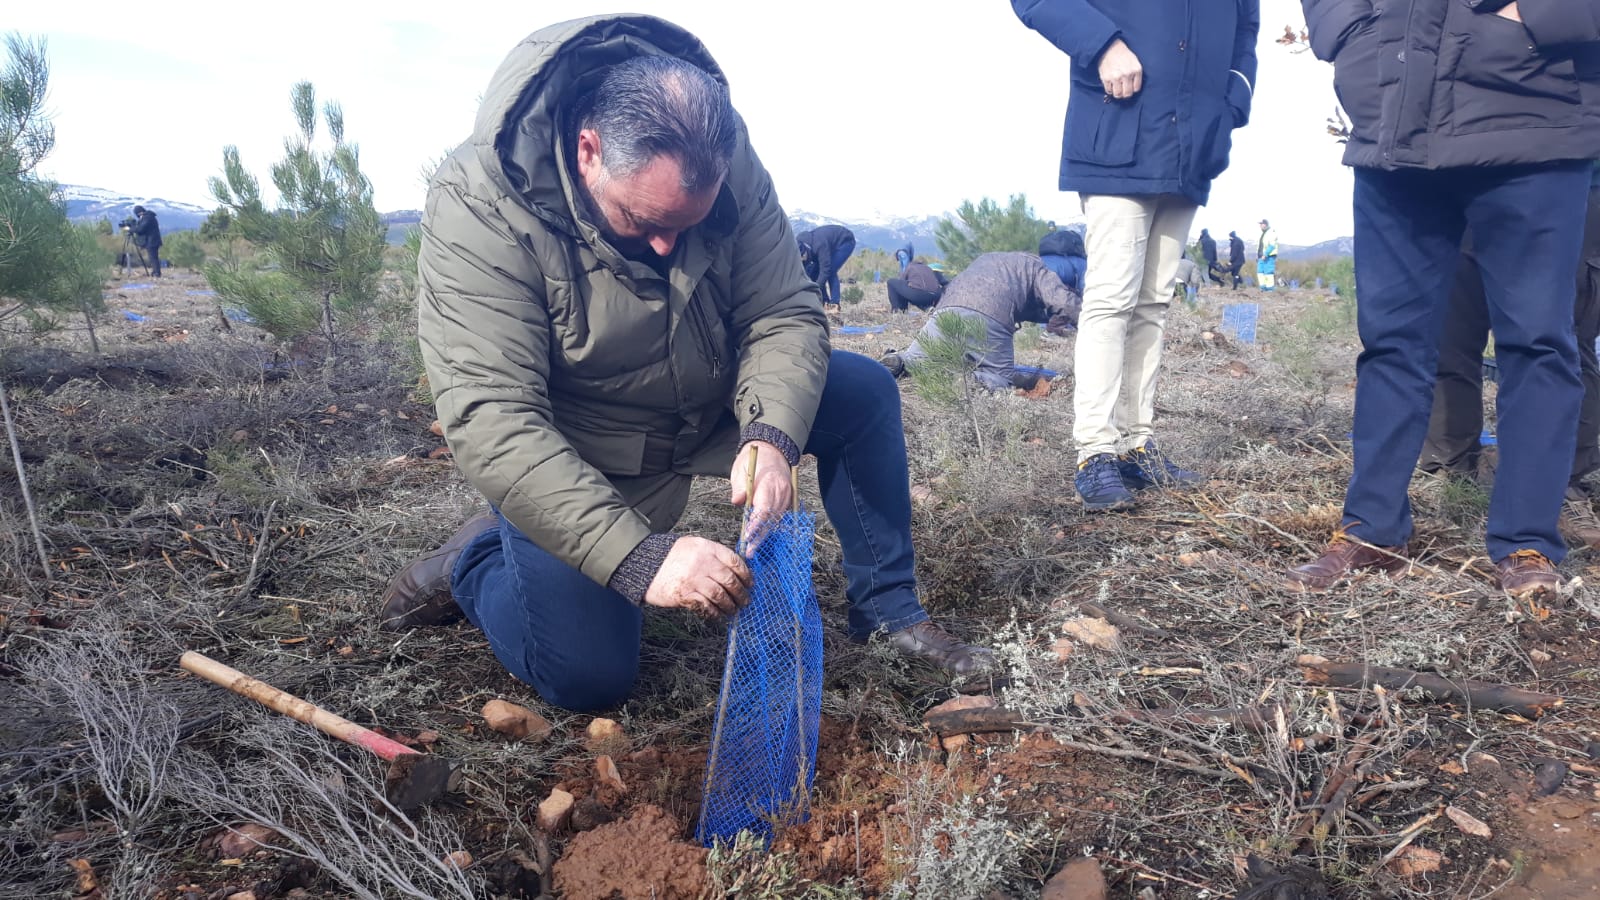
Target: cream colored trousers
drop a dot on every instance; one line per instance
(1134, 246)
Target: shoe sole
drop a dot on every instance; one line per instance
(1113, 506)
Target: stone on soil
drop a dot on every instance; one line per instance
(515, 721)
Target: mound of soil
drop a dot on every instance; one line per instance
(637, 858)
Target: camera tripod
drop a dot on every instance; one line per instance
(131, 252)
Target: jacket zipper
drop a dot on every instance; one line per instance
(697, 317)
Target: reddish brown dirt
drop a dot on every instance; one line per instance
(641, 857)
(1561, 840)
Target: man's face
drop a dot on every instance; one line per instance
(645, 213)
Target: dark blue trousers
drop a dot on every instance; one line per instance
(841, 255)
(1527, 226)
(577, 642)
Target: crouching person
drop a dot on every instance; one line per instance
(1000, 291)
(610, 303)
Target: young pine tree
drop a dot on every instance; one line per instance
(986, 227)
(324, 234)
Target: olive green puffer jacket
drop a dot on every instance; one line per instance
(581, 391)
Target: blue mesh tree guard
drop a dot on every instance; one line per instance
(764, 745)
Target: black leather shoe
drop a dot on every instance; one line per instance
(419, 595)
(928, 641)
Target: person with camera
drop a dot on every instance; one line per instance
(146, 229)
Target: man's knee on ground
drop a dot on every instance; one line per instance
(591, 687)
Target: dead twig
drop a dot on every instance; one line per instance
(22, 481)
(1482, 695)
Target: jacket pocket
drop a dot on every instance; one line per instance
(612, 452)
(1105, 134)
(1498, 80)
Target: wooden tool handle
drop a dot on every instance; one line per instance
(292, 706)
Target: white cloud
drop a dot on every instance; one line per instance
(856, 107)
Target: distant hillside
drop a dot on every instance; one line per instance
(88, 205)
(1343, 246)
(400, 221)
(887, 236)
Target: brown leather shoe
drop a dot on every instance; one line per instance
(1344, 556)
(1579, 524)
(928, 641)
(1527, 574)
(419, 595)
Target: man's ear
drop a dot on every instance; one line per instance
(588, 153)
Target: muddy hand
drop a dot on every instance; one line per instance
(701, 576)
(767, 490)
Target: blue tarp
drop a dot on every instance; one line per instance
(239, 315)
(201, 293)
(132, 316)
(1038, 370)
(860, 329)
(136, 287)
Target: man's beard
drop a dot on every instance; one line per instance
(636, 249)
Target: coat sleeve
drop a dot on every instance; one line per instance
(1556, 22)
(1242, 70)
(1331, 22)
(1076, 27)
(1057, 298)
(485, 335)
(777, 319)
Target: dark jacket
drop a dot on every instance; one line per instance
(1438, 84)
(580, 390)
(1208, 247)
(1011, 288)
(1173, 136)
(920, 276)
(1235, 251)
(817, 249)
(147, 231)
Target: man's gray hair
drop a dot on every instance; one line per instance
(652, 106)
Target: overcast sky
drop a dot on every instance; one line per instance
(860, 108)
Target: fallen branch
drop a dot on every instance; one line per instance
(1122, 620)
(984, 720)
(1479, 694)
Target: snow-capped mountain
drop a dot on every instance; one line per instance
(91, 204)
(887, 234)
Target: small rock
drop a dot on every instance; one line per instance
(1548, 777)
(298, 894)
(1080, 879)
(1096, 633)
(965, 701)
(1238, 369)
(243, 840)
(921, 493)
(241, 435)
(327, 421)
(605, 733)
(428, 737)
(605, 772)
(84, 873)
(439, 453)
(1451, 767)
(516, 721)
(1062, 648)
(1566, 811)
(1539, 656)
(1467, 822)
(954, 742)
(436, 428)
(457, 860)
(1414, 861)
(556, 811)
(243, 895)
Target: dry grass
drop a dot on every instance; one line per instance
(198, 496)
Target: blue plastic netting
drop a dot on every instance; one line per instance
(764, 745)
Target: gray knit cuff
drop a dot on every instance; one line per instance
(757, 431)
(632, 579)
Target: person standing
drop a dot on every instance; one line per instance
(1267, 257)
(1157, 89)
(1235, 258)
(1477, 116)
(1208, 252)
(147, 237)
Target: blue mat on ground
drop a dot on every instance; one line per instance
(764, 742)
(132, 316)
(1038, 370)
(135, 287)
(239, 315)
(1241, 318)
(860, 329)
(201, 293)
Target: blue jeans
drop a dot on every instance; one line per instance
(841, 255)
(577, 642)
(1527, 225)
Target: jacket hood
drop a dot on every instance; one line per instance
(518, 133)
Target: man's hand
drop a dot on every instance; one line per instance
(703, 577)
(1121, 73)
(1510, 11)
(774, 491)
